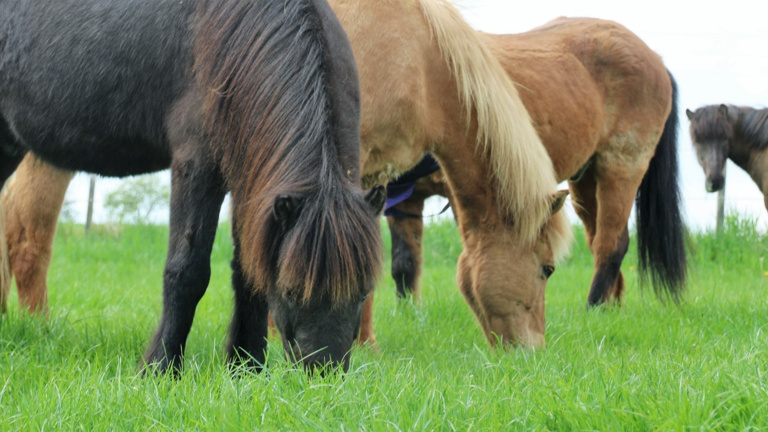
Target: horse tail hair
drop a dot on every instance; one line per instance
(5, 264)
(524, 173)
(661, 234)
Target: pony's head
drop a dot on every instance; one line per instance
(282, 109)
(327, 261)
(503, 278)
(711, 134)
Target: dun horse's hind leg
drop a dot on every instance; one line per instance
(196, 197)
(248, 330)
(10, 157)
(33, 202)
(406, 232)
(604, 206)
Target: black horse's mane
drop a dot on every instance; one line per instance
(754, 127)
(273, 123)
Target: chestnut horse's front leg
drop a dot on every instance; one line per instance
(197, 192)
(32, 204)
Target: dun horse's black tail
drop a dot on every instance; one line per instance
(661, 234)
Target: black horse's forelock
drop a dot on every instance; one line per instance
(271, 117)
(334, 249)
(710, 124)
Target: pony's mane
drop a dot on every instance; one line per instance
(754, 127)
(709, 123)
(521, 165)
(269, 115)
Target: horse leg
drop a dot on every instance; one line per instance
(248, 330)
(583, 194)
(367, 335)
(406, 232)
(197, 191)
(615, 195)
(33, 202)
(10, 158)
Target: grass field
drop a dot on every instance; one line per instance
(644, 366)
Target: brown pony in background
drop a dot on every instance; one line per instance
(605, 108)
(719, 132)
(430, 84)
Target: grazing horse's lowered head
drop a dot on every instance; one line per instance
(326, 266)
(711, 134)
(504, 279)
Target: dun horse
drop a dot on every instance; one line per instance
(258, 98)
(431, 85)
(605, 108)
(724, 131)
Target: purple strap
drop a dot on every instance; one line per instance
(402, 188)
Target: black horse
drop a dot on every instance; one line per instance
(257, 97)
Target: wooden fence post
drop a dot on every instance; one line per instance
(89, 214)
(721, 206)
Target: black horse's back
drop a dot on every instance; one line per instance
(89, 84)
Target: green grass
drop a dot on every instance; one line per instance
(644, 366)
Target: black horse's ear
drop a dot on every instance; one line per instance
(284, 210)
(724, 109)
(376, 199)
(689, 113)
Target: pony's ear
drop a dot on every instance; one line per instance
(689, 113)
(284, 210)
(376, 199)
(558, 200)
(723, 109)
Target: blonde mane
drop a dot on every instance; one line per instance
(521, 165)
(559, 235)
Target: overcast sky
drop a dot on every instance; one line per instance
(717, 51)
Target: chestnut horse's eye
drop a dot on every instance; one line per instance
(547, 270)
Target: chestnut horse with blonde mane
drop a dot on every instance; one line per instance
(430, 84)
(722, 132)
(605, 108)
(257, 98)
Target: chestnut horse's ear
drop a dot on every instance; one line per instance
(284, 210)
(689, 113)
(376, 199)
(724, 109)
(558, 200)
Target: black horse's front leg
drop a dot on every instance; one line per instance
(248, 330)
(197, 192)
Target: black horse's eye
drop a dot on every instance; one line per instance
(364, 297)
(547, 271)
